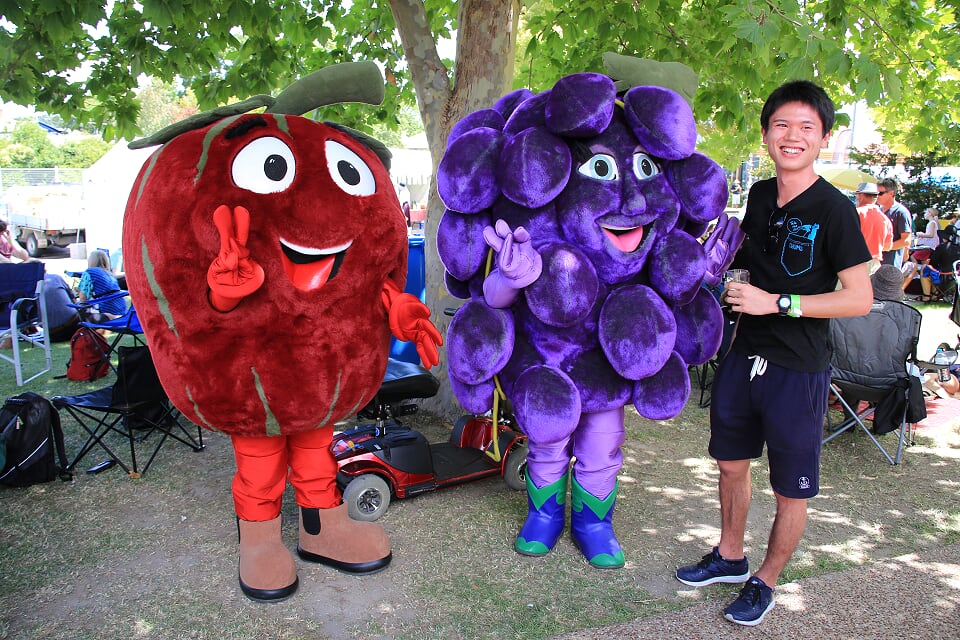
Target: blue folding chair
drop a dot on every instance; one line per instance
(23, 313)
(126, 325)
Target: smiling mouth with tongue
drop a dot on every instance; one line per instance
(625, 239)
(310, 268)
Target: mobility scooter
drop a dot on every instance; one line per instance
(389, 459)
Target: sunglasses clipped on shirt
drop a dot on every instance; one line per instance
(777, 217)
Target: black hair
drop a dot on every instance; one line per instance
(805, 92)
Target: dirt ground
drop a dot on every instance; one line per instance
(111, 557)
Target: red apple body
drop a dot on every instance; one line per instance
(309, 346)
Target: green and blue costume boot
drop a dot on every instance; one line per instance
(591, 525)
(545, 518)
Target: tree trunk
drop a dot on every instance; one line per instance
(482, 74)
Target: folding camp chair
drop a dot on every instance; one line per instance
(870, 361)
(126, 325)
(134, 408)
(23, 313)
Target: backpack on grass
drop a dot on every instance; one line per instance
(87, 361)
(32, 440)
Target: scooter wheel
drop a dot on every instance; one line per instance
(367, 497)
(515, 468)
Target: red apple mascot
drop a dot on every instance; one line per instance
(266, 256)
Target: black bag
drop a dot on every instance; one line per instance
(906, 392)
(33, 440)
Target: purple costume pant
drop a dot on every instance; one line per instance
(595, 444)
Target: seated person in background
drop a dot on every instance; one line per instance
(10, 249)
(98, 281)
(886, 283)
(926, 241)
(61, 317)
(940, 263)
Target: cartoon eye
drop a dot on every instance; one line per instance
(601, 166)
(266, 165)
(644, 167)
(349, 171)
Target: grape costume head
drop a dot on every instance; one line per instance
(614, 195)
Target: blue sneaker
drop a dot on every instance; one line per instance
(753, 603)
(714, 568)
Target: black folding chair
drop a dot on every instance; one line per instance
(869, 363)
(134, 408)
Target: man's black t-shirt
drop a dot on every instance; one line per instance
(819, 237)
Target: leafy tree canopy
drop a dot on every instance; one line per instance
(900, 56)
(83, 57)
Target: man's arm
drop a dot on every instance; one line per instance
(903, 242)
(18, 252)
(853, 298)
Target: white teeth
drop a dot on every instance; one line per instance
(312, 251)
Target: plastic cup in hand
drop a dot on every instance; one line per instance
(736, 275)
(733, 275)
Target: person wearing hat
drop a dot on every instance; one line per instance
(875, 226)
(887, 283)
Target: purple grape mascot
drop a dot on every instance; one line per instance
(572, 227)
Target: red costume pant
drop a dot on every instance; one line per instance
(264, 463)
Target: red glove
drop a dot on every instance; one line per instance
(232, 275)
(410, 322)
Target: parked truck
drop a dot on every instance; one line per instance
(45, 216)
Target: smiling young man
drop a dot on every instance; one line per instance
(803, 236)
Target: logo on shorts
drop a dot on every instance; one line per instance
(804, 482)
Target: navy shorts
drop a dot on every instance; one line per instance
(779, 407)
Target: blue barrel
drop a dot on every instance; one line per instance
(416, 285)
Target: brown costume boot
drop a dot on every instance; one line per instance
(267, 570)
(330, 537)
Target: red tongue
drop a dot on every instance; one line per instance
(310, 276)
(628, 241)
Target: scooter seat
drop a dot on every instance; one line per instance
(406, 380)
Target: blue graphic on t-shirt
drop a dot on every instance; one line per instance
(797, 255)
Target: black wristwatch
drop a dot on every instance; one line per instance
(784, 303)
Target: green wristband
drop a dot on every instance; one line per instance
(794, 306)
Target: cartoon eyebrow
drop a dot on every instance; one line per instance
(244, 126)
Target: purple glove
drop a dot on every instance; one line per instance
(518, 264)
(721, 247)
